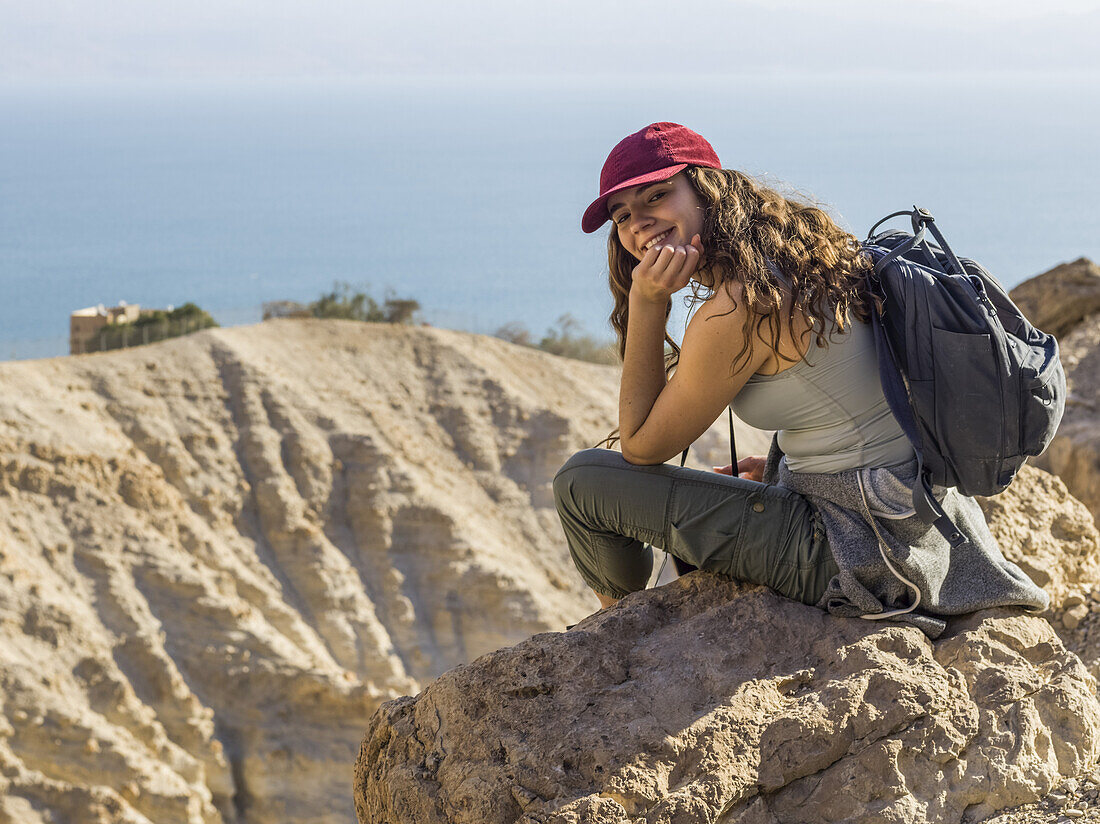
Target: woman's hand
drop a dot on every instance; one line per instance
(751, 468)
(664, 271)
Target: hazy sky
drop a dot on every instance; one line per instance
(626, 41)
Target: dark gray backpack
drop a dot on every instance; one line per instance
(976, 388)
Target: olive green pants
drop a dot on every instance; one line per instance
(612, 511)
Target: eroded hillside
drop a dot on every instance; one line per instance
(219, 554)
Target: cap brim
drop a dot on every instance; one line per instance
(596, 215)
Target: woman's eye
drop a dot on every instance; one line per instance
(656, 196)
(621, 217)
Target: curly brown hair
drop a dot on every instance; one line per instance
(746, 225)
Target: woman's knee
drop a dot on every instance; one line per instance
(590, 457)
(576, 473)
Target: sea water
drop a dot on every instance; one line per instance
(466, 194)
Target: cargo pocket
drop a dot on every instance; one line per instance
(706, 548)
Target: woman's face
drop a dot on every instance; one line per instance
(667, 213)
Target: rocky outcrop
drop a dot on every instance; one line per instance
(1049, 533)
(219, 554)
(704, 701)
(1053, 538)
(1074, 454)
(1060, 298)
(707, 701)
(1066, 302)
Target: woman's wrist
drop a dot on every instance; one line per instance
(647, 318)
(642, 301)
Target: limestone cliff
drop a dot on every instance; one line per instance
(1065, 301)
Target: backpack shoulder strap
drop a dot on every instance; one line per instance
(928, 509)
(894, 389)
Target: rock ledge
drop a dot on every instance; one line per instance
(708, 701)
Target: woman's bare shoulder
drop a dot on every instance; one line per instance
(726, 301)
(716, 334)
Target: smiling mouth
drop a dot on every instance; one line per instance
(653, 241)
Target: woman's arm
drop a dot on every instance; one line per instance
(657, 418)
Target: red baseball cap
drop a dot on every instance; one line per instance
(657, 152)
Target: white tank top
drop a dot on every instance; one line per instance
(829, 409)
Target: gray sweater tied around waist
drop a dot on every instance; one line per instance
(916, 577)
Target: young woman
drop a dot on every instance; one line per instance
(780, 332)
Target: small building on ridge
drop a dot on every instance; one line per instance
(85, 324)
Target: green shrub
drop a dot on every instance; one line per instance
(152, 326)
(344, 304)
(565, 338)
